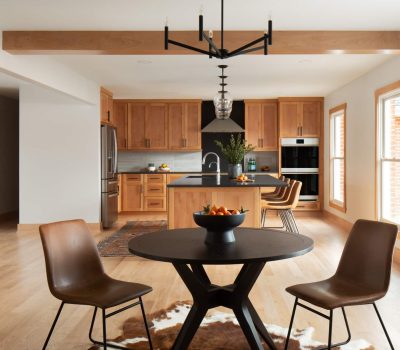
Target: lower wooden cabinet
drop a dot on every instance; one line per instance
(144, 192)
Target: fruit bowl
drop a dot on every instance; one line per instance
(219, 227)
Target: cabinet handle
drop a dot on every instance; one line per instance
(108, 115)
(301, 129)
(262, 143)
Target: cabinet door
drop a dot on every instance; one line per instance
(156, 125)
(269, 126)
(136, 125)
(289, 121)
(132, 195)
(120, 115)
(104, 115)
(253, 124)
(311, 117)
(192, 130)
(176, 125)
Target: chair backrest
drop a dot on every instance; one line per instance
(71, 255)
(295, 194)
(367, 256)
(281, 190)
(288, 190)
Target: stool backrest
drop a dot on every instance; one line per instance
(295, 195)
(367, 256)
(71, 255)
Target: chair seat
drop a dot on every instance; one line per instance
(104, 293)
(333, 293)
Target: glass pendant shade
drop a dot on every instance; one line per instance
(223, 105)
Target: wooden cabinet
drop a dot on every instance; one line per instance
(106, 106)
(300, 118)
(156, 126)
(132, 192)
(136, 126)
(184, 126)
(261, 125)
(144, 192)
(120, 119)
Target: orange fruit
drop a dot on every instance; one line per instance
(235, 212)
(228, 213)
(213, 212)
(220, 213)
(222, 209)
(214, 208)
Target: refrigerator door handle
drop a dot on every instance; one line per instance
(115, 151)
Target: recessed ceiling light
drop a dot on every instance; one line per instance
(305, 60)
(144, 62)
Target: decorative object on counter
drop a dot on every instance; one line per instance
(244, 178)
(234, 152)
(219, 223)
(221, 52)
(251, 164)
(151, 167)
(265, 168)
(164, 167)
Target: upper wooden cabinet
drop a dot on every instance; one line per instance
(300, 118)
(156, 126)
(184, 126)
(120, 119)
(106, 106)
(261, 124)
(136, 126)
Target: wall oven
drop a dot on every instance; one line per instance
(300, 161)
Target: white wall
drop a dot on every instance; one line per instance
(59, 157)
(360, 99)
(8, 155)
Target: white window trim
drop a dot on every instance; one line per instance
(379, 151)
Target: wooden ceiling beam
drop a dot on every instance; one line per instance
(152, 42)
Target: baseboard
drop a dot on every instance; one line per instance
(338, 220)
(34, 228)
(11, 215)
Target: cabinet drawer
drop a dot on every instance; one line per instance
(154, 190)
(308, 206)
(133, 177)
(155, 178)
(155, 204)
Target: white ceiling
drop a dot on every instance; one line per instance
(196, 76)
(182, 14)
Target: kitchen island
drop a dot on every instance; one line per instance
(191, 193)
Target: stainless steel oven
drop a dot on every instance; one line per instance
(300, 161)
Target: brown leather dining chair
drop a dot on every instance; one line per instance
(75, 275)
(362, 277)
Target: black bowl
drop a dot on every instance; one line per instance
(219, 227)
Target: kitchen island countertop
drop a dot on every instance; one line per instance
(225, 181)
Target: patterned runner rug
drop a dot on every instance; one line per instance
(117, 243)
(218, 331)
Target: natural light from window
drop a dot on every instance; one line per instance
(389, 158)
(337, 157)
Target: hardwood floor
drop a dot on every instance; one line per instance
(27, 308)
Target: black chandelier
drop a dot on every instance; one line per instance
(222, 53)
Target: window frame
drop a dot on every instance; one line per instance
(382, 95)
(332, 202)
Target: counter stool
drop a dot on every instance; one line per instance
(285, 208)
(278, 192)
(362, 277)
(75, 275)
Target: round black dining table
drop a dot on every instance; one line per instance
(186, 250)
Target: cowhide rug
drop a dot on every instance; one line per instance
(218, 331)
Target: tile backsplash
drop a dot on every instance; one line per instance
(177, 161)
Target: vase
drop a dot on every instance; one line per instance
(234, 170)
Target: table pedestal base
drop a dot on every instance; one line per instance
(234, 296)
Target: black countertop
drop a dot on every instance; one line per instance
(187, 172)
(225, 181)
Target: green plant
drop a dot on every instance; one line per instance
(235, 150)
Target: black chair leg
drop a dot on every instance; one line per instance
(91, 326)
(330, 329)
(145, 323)
(291, 325)
(53, 325)
(383, 326)
(104, 329)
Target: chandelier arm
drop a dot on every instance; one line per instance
(269, 32)
(212, 44)
(247, 51)
(200, 27)
(177, 43)
(240, 49)
(265, 44)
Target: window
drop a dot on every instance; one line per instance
(388, 153)
(337, 145)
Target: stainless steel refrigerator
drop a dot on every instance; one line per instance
(109, 176)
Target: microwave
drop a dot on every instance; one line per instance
(300, 155)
